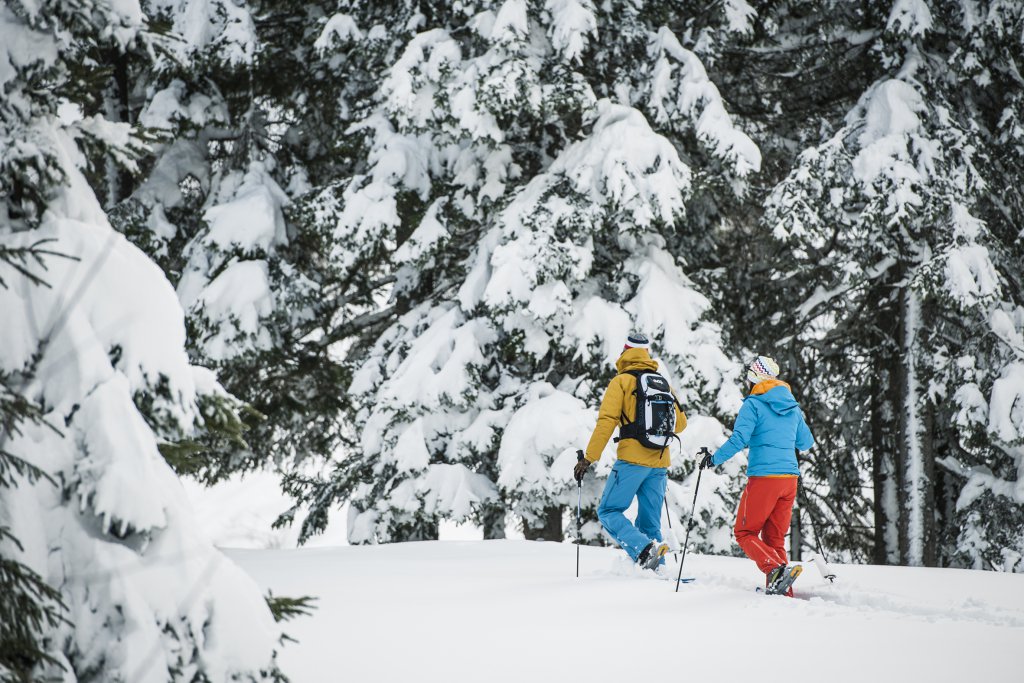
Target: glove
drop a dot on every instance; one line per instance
(580, 469)
(706, 462)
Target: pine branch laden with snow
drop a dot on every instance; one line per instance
(682, 97)
(424, 389)
(571, 27)
(99, 348)
(220, 30)
(224, 285)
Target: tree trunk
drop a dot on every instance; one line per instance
(548, 528)
(119, 182)
(492, 519)
(417, 530)
(883, 446)
(423, 531)
(930, 535)
(916, 468)
(881, 472)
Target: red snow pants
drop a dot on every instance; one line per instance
(762, 520)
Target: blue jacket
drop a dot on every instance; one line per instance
(772, 425)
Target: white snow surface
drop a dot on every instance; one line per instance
(514, 611)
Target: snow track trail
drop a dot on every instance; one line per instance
(514, 611)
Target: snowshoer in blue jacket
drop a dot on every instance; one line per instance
(771, 424)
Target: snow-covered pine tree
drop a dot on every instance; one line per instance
(789, 71)
(907, 258)
(216, 208)
(95, 370)
(502, 181)
(984, 526)
(580, 258)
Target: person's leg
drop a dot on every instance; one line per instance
(777, 525)
(622, 485)
(756, 503)
(650, 497)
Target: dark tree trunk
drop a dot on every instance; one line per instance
(120, 183)
(880, 470)
(884, 407)
(930, 554)
(420, 531)
(492, 519)
(900, 394)
(549, 527)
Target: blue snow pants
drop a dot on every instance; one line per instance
(625, 482)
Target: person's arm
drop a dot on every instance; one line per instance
(804, 438)
(741, 433)
(680, 415)
(607, 419)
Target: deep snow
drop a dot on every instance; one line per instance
(514, 611)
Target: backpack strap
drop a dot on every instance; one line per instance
(630, 430)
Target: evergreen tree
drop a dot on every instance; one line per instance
(213, 209)
(528, 239)
(903, 263)
(102, 574)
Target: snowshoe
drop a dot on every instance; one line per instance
(781, 579)
(650, 557)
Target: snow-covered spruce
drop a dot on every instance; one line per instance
(93, 338)
(549, 222)
(895, 222)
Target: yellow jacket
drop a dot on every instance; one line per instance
(620, 401)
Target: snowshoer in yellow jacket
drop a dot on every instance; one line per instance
(640, 471)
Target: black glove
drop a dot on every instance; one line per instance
(580, 469)
(705, 462)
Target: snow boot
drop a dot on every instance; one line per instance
(650, 557)
(780, 579)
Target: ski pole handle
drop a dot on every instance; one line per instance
(578, 470)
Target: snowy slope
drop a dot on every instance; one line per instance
(514, 611)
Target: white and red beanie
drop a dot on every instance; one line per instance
(762, 368)
(636, 340)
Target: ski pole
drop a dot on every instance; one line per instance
(668, 515)
(579, 523)
(690, 524)
(821, 562)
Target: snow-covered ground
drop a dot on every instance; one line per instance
(514, 611)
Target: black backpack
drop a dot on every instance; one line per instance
(655, 422)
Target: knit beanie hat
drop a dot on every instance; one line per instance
(762, 368)
(637, 340)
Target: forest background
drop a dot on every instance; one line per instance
(389, 250)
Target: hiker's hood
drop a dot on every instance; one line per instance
(635, 359)
(776, 394)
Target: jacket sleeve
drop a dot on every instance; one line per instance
(741, 433)
(680, 415)
(607, 419)
(804, 438)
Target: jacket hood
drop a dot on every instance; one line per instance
(635, 359)
(775, 394)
